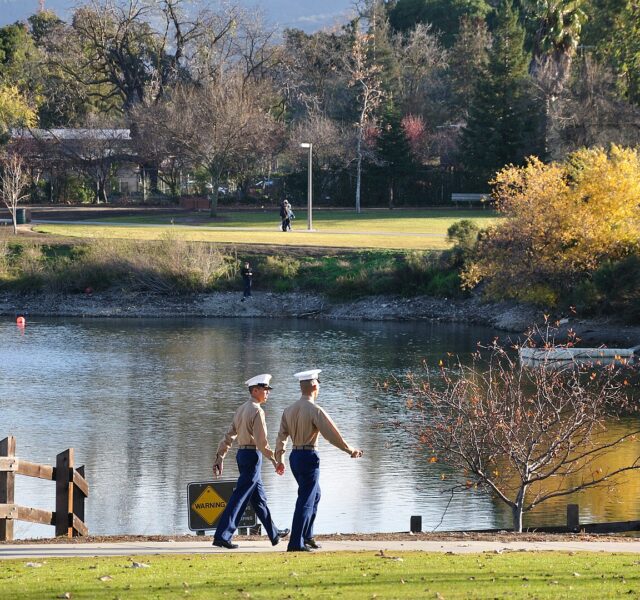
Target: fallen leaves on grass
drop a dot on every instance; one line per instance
(381, 554)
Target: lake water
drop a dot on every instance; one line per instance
(144, 404)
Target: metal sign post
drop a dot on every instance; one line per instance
(206, 502)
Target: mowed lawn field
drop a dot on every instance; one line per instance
(384, 229)
(346, 575)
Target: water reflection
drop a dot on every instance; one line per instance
(144, 404)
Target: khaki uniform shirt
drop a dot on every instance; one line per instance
(302, 422)
(250, 429)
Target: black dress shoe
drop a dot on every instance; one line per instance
(303, 549)
(225, 544)
(311, 543)
(282, 533)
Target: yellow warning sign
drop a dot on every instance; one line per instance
(209, 505)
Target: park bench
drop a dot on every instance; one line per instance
(471, 199)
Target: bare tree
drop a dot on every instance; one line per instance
(126, 51)
(222, 125)
(14, 180)
(154, 146)
(523, 434)
(310, 76)
(591, 114)
(93, 150)
(422, 60)
(333, 148)
(364, 76)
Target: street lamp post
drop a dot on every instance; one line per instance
(309, 187)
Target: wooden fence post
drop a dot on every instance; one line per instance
(573, 517)
(415, 524)
(64, 493)
(7, 487)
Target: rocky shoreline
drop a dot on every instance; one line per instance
(503, 316)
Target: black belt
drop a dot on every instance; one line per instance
(304, 448)
(248, 447)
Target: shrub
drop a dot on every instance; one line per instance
(618, 283)
(444, 284)
(585, 297)
(171, 266)
(563, 220)
(464, 234)
(351, 285)
(539, 294)
(280, 267)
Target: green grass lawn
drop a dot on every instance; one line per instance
(406, 230)
(345, 575)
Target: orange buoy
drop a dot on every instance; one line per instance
(21, 321)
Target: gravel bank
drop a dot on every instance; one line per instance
(503, 316)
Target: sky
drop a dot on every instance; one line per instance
(308, 15)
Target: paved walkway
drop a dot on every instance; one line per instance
(29, 551)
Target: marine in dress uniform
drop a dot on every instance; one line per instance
(250, 429)
(302, 422)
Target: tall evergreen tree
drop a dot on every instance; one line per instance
(443, 15)
(625, 51)
(504, 122)
(468, 63)
(394, 154)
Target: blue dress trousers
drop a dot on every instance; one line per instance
(305, 466)
(248, 489)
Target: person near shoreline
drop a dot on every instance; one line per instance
(247, 278)
(302, 422)
(250, 429)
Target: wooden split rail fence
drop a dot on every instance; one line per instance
(71, 490)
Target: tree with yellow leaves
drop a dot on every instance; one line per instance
(15, 111)
(563, 221)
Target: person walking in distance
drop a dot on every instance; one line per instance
(247, 278)
(249, 427)
(284, 214)
(290, 215)
(302, 422)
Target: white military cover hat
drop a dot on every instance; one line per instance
(261, 380)
(306, 375)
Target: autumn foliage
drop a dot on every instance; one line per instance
(525, 435)
(563, 220)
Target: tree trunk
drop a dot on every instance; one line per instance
(213, 197)
(213, 202)
(15, 222)
(517, 518)
(143, 183)
(102, 192)
(153, 179)
(516, 509)
(174, 187)
(358, 169)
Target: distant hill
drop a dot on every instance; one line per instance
(307, 16)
